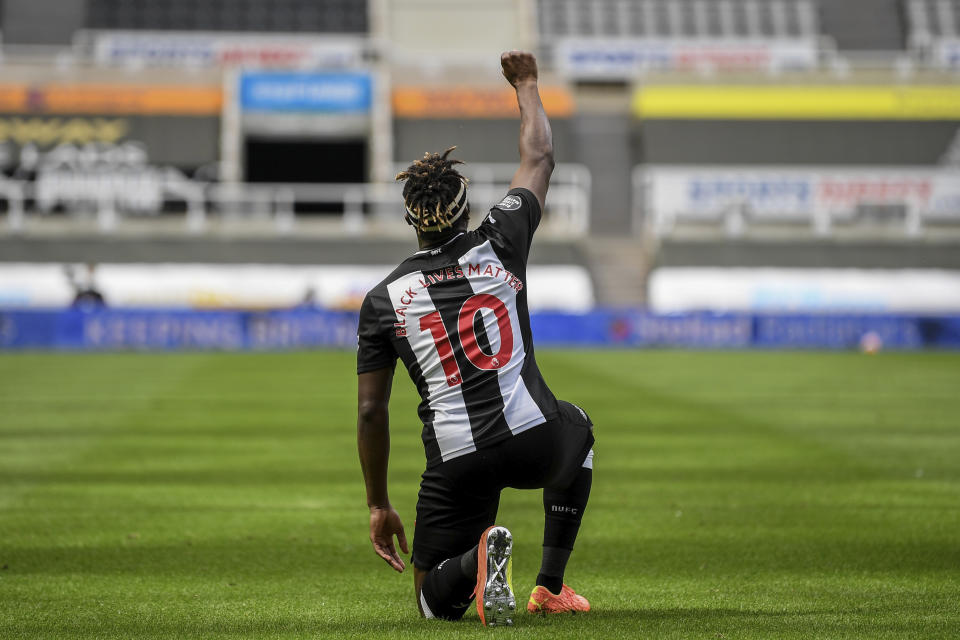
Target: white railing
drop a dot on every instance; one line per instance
(115, 199)
(933, 33)
(736, 199)
(927, 19)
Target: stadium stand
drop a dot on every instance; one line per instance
(289, 16)
(863, 25)
(872, 25)
(207, 105)
(677, 19)
(933, 19)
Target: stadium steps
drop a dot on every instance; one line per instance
(619, 267)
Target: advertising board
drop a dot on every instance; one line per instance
(166, 140)
(157, 330)
(673, 194)
(172, 124)
(626, 58)
(798, 102)
(102, 99)
(166, 49)
(474, 102)
(306, 92)
(164, 330)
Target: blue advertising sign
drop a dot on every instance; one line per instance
(164, 330)
(311, 92)
(762, 194)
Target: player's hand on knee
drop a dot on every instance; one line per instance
(384, 524)
(518, 66)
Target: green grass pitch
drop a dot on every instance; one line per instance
(736, 495)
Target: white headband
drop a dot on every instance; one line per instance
(454, 210)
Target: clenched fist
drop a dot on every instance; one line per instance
(518, 67)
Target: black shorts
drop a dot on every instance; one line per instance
(459, 498)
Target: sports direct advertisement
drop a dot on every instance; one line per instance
(674, 194)
(624, 58)
(170, 49)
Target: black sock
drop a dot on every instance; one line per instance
(468, 564)
(448, 589)
(563, 511)
(552, 567)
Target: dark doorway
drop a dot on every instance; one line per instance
(273, 160)
(307, 161)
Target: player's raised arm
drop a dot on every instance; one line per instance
(373, 444)
(536, 139)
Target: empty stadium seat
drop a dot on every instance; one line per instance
(310, 16)
(933, 19)
(678, 18)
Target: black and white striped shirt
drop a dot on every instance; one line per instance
(457, 317)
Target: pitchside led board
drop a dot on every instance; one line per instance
(232, 330)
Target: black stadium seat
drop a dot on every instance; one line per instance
(677, 18)
(308, 16)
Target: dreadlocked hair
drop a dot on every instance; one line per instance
(435, 192)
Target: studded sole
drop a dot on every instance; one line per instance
(498, 601)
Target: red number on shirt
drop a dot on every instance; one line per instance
(468, 337)
(433, 323)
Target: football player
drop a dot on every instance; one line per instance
(455, 313)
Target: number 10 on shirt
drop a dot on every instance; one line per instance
(467, 334)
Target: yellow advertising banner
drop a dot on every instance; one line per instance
(822, 102)
(471, 102)
(111, 100)
(51, 131)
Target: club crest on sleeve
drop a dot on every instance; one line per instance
(509, 203)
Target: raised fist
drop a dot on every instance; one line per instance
(518, 66)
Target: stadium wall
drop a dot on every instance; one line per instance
(477, 140)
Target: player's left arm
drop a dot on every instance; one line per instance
(373, 444)
(536, 138)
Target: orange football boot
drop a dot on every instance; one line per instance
(495, 602)
(542, 601)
